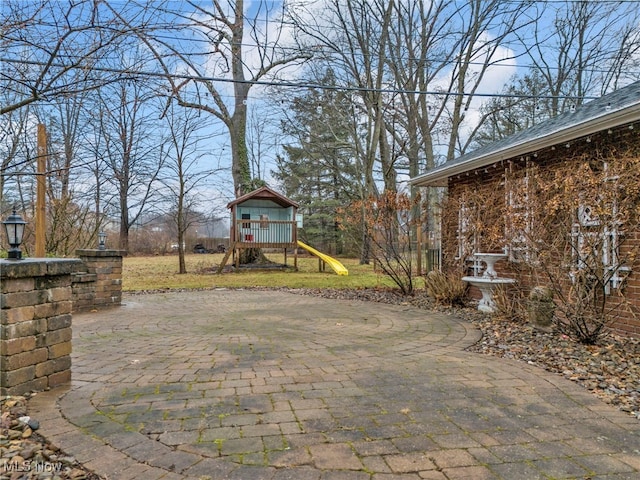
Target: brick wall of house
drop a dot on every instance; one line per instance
(625, 315)
(35, 324)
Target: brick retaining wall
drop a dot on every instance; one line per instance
(37, 297)
(35, 323)
(98, 283)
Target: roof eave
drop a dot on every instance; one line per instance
(439, 175)
(276, 198)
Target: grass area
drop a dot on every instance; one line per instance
(151, 273)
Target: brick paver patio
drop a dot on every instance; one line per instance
(251, 384)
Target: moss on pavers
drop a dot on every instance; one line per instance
(139, 414)
(336, 456)
(410, 462)
(178, 438)
(274, 443)
(242, 446)
(384, 389)
(212, 434)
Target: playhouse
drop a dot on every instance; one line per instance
(262, 219)
(266, 219)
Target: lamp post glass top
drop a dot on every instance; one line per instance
(14, 228)
(102, 238)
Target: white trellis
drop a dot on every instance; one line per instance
(519, 222)
(591, 236)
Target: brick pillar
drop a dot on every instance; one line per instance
(106, 265)
(35, 323)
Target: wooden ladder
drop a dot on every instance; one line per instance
(226, 257)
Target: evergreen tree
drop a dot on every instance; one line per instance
(319, 169)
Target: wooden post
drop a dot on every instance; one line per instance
(41, 178)
(419, 249)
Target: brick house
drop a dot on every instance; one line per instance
(508, 197)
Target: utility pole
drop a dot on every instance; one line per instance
(41, 191)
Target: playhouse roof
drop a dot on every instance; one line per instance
(609, 111)
(264, 193)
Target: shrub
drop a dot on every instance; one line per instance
(445, 289)
(384, 234)
(510, 304)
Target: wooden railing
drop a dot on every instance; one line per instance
(266, 232)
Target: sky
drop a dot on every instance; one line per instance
(265, 112)
(493, 82)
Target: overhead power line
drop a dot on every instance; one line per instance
(291, 84)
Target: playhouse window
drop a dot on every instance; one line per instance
(246, 216)
(264, 221)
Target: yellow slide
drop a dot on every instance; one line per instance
(332, 262)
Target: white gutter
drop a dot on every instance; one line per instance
(439, 175)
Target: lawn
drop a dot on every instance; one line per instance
(160, 272)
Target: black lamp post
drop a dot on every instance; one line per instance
(102, 238)
(14, 226)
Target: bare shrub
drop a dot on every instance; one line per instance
(446, 289)
(385, 224)
(509, 303)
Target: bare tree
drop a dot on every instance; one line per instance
(184, 156)
(125, 120)
(14, 152)
(51, 49)
(485, 27)
(354, 36)
(237, 50)
(415, 67)
(260, 139)
(584, 51)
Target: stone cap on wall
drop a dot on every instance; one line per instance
(38, 267)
